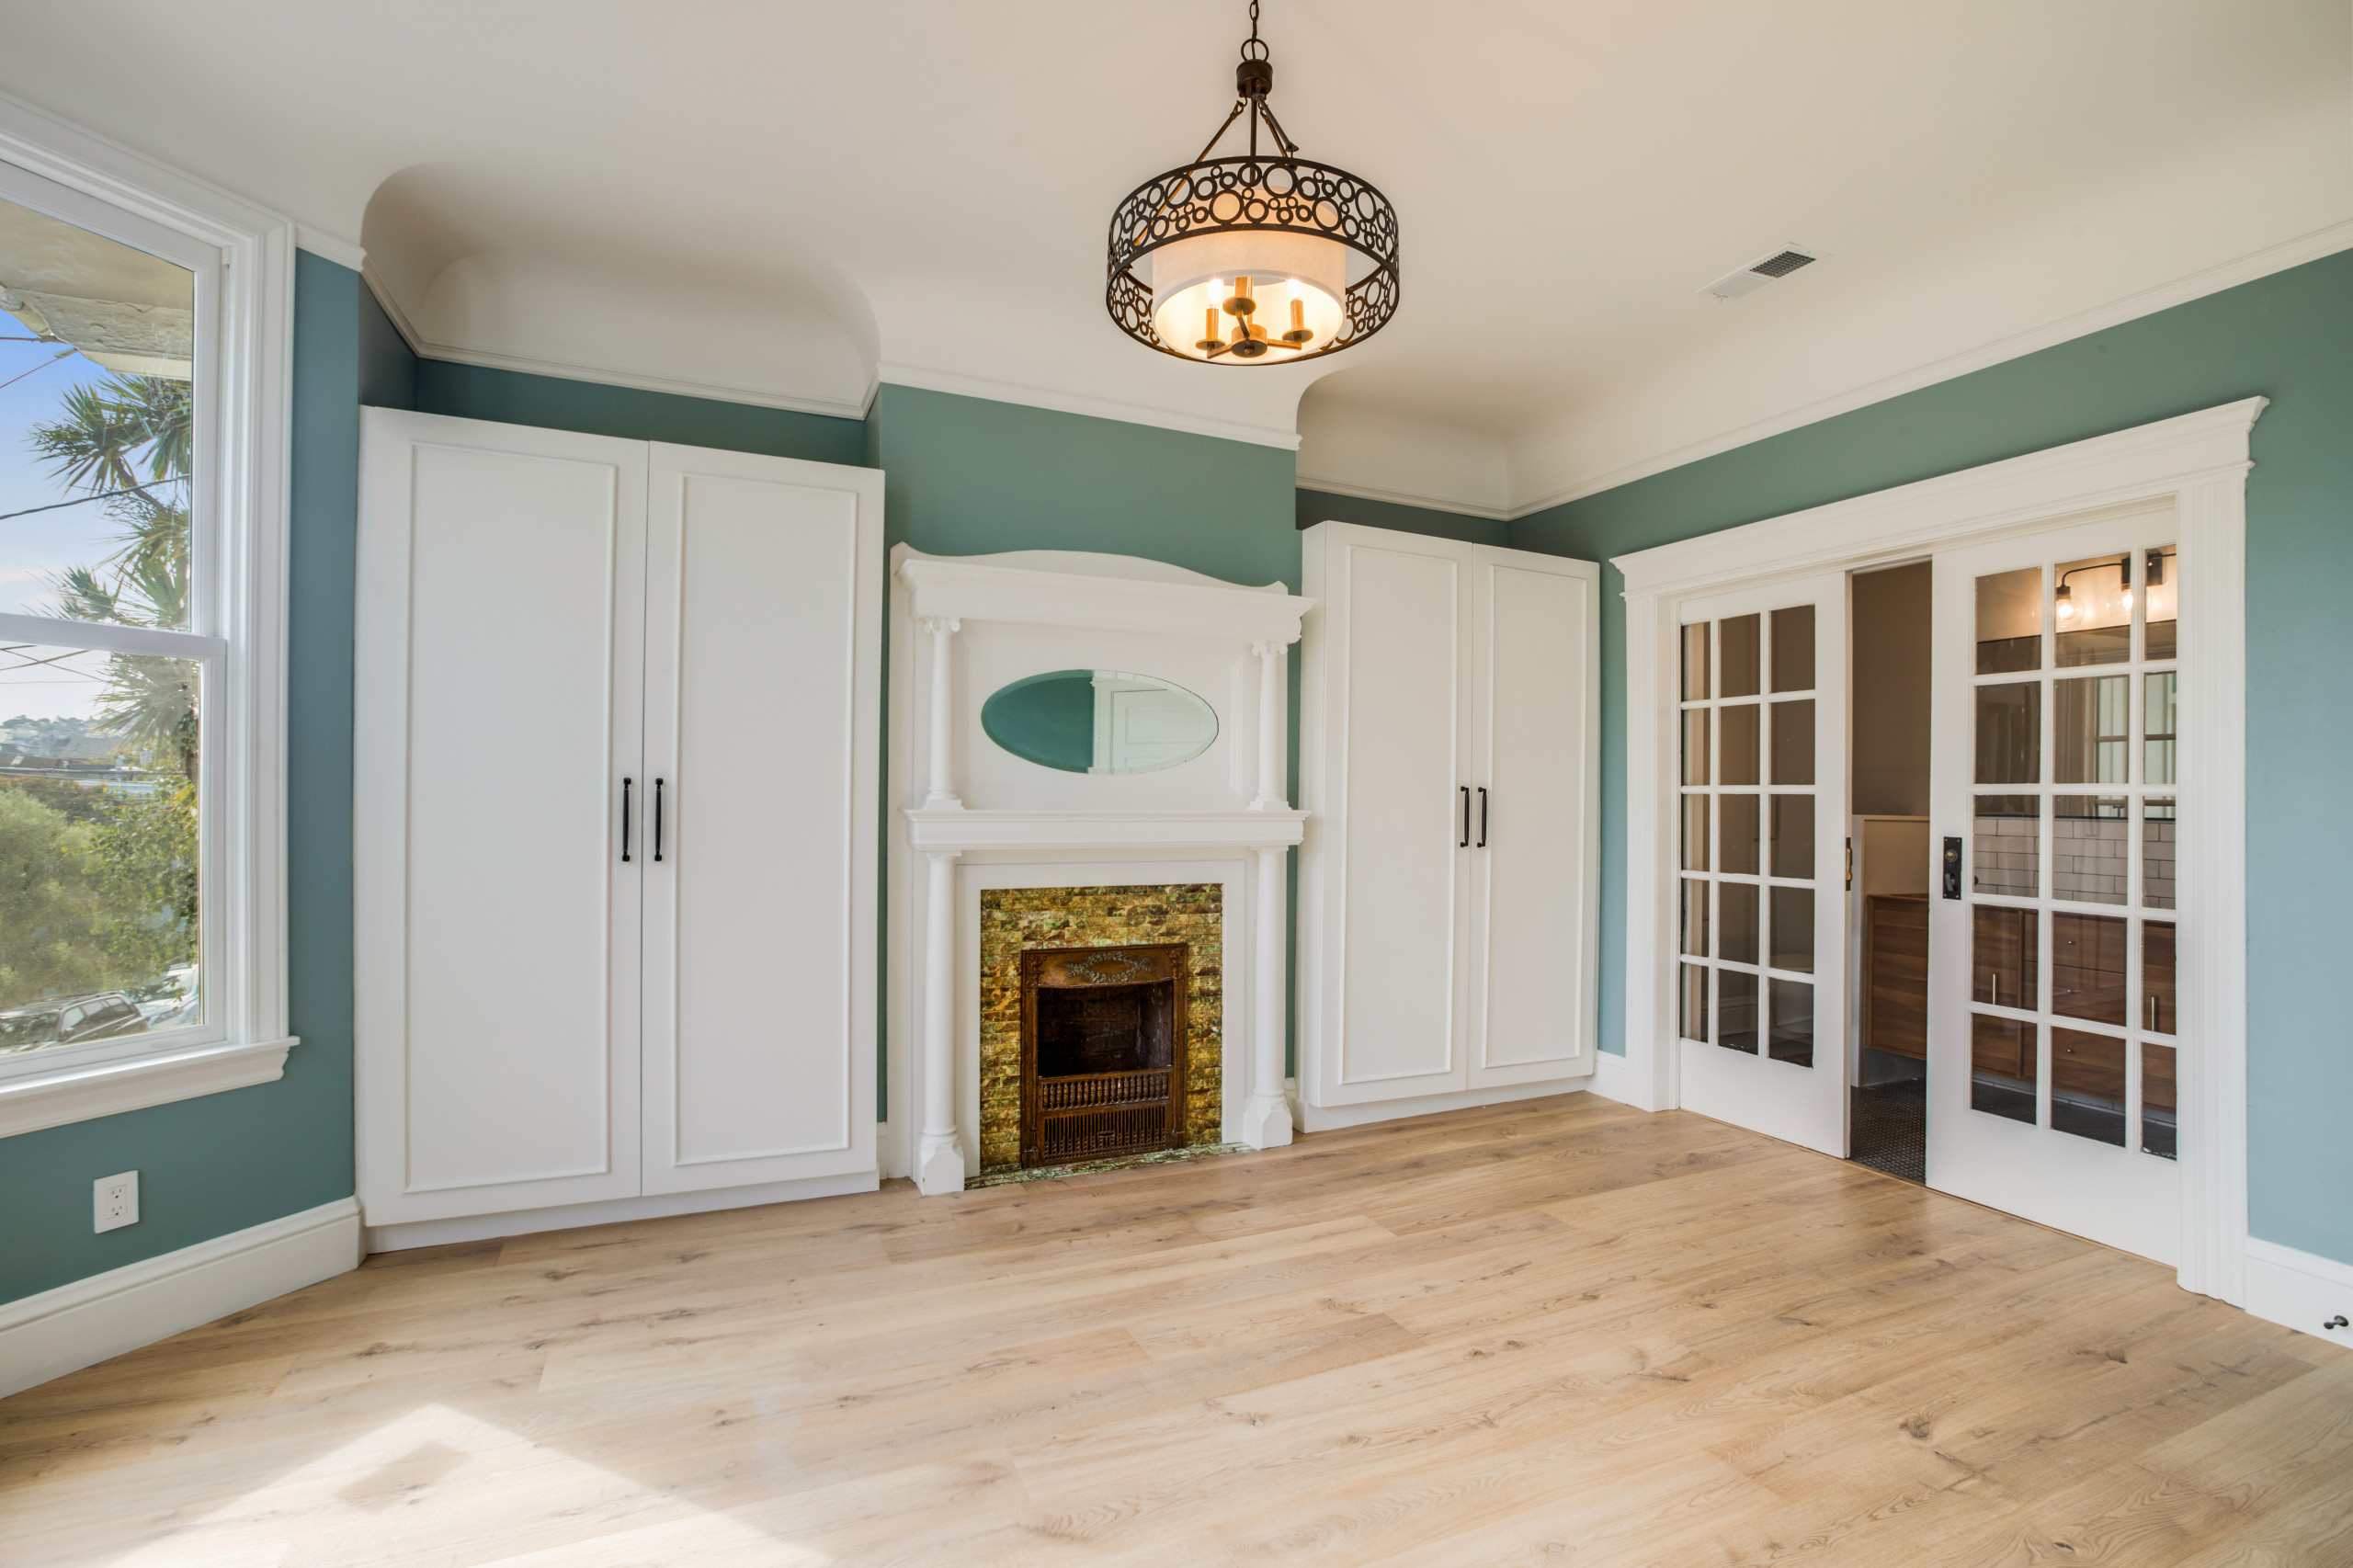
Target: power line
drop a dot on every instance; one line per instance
(101, 495)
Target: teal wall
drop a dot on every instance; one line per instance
(2288, 337)
(1316, 507)
(219, 1164)
(513, 397)
(968, 476)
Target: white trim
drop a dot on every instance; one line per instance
(2019, 495)
(2301, 1290)
(1092, 407)
(334, 247)
(392, 307)
(1406, 498)
(1613, 1079)
(79, 1091)
(240, 520)
(611, 1212)
(935, 831)
(1332, 1119)
(109, 638)
(2196, 463)
(977, 589)
(2148, 302)
(92, 1319)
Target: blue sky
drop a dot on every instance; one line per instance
(33, 548)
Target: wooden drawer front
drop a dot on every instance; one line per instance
(2002, 1046)
(2086, 1064)
(1897, 976)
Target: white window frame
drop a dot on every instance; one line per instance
(2197, 464)
(244, 260)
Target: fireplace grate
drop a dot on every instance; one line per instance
(1104, 1089)
(1098, 1134)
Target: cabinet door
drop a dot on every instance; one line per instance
(763, 603)
(499, 641)
(1534, 832)
(1392, 702)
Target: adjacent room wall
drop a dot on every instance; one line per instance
(1889, 689)
(2288, 337)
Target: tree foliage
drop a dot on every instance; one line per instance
(142, 852)
(50, 942)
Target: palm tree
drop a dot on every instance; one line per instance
(129, 440)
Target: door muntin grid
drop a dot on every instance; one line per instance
(2070, 892)
(1749, 863)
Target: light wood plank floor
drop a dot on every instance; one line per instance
(1557, 1333)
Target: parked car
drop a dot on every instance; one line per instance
(102, 1015)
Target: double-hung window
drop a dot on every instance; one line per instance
(140, 563)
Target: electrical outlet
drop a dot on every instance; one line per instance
(115, 1201)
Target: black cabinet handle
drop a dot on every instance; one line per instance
(657, 819)
(1465, 842)
(1482, 816)
(625, 784)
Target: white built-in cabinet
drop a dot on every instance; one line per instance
(615, 824)
(1449, 739)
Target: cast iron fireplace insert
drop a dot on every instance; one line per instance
(1103, 1033)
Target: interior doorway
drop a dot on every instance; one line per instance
(1888, 868)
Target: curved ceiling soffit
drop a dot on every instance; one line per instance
(1356, 437)
(510, 269)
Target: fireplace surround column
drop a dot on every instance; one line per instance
(939, 1163)
(1273, 747)
(1265, 1116)
(941, 796)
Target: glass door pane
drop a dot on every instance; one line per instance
(2054, 1041)
(1759, 971)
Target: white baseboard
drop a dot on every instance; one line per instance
(2301, 1290)
(87, 1322)
(1613, 1079)
(1331, 1118)
(616, 1210)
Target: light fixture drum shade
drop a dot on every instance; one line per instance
(1192, 278)
(1303, 233)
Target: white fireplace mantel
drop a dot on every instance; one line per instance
(974, 815)
(1104, 830)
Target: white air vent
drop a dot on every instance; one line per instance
(1758, 273)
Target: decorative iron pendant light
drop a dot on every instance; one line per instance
(1263, 259)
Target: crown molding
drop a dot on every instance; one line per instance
(1091, 407)
(1404, 498)
(392, 307)
(2196, 285)
(334, 247)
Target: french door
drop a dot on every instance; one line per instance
(1761, 798)
(2054, 803)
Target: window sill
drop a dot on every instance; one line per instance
(108, 1088)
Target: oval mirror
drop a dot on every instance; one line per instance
(1098, 721)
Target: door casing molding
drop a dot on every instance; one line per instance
(2198, 463)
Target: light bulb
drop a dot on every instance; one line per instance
(2128, 601)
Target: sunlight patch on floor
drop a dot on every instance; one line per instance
(440, 1485)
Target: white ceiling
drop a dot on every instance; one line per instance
(779, 201)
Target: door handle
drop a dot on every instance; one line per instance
(1482, 816)
(625, 784)
(1952, 867)
(1465, 842)
(657, 819)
